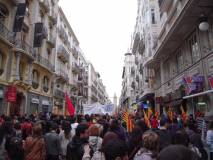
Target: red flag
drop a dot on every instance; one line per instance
(70, 106)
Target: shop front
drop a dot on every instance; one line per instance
(38, 104)
(198, 99)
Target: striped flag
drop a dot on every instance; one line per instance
(184, 114)
(149, 112)
(125, 116)
(146, 119)
(170, 113)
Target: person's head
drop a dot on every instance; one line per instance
(95, 130)
(163, 122)
(37, 130)
(17, 126)
(181, 138)
(141, 124)
(82, 131)
(114, 124)
(115, 150)
(87, 118)
(151, 141)
(53, 126)
(177, 152)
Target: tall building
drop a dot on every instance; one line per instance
(128, 84)
(40, 59)
(177, 54)
(27, 54)
(96, 89)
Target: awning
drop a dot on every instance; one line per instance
(198, 94)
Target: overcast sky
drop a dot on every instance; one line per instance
(103, 28)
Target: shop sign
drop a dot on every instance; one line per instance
(211, 81)
(45, 103)
(35, 100)
(193, 84)
(11, 94)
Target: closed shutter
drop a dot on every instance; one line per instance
(19, 18)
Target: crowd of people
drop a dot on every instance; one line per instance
(96, 137)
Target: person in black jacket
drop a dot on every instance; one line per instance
(75, 149)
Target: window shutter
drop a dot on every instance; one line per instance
(19, 18)
(38, 35)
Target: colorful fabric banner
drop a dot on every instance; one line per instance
(70, 106)
(184, 114)
(146, 119)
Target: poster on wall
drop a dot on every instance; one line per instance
(11, 94)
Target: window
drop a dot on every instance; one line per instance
(179, 59)
(46, 84)
(153, 16)
(35, 81)
(194, 48)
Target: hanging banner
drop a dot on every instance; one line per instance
(211, 81)
(11, 94)
(98, 108)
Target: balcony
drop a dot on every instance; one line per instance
(45, 5)
(51, 40)
(62, 75)
(74, 53)
(22, 46)
(58, 93)
(165, 5)
(44, 62)
(75, 68)
(63, 54)
(53, 17)
(5, 34)
(63, 35)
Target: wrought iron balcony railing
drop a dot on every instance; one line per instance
(63, 74)
(6, 33)
(51, 40)
(44, 62)
(75, 68)
(63, 54)
(45, 5)
(53, 17)
(28, 49)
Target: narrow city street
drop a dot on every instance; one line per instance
(106, 80)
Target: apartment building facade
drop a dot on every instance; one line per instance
(96, 89)
(40, 59)
(28, 55)
(180, 58)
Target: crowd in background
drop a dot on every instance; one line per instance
(101, 137)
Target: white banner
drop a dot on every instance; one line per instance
(98, 108)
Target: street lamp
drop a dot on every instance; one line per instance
(203, 25)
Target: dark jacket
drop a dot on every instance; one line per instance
(165, 138)
(75, 149)
(52, 144)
